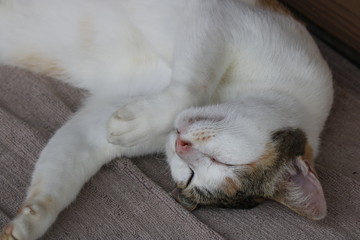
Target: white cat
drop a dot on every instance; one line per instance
(255, 88)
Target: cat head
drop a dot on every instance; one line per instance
(231, 158)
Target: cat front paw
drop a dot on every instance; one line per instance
(31, 221)
(19, 228)
(138, 122)
(127, 126)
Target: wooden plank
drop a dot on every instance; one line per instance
(340, 18)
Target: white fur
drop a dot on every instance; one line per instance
(143, 62)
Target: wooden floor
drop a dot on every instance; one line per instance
(340, 18)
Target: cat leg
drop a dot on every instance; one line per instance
(74, 154)
(200, 61)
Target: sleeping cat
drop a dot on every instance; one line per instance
(236, 93)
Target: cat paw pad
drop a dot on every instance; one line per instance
(125, 128)
(134, 124)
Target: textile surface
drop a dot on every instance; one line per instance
(128, 199)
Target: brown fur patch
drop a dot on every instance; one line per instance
(208, 133)
(40, 205)
(259, 179)
(267, 173)
(203, 139)
(266, 178)
(47, 203)
(274, 5)
(309, 155)
(267, 159)
(32, 211)
(181, 185)
(203, 136)
(231, 187)
(42, 65)
(269, 156)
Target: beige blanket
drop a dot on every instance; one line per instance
(123, 202)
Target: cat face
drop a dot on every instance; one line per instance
(226, 159)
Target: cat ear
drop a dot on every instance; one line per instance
(302, 191)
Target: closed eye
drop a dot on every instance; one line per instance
(214, 160)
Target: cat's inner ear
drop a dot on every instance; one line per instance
(301, 190)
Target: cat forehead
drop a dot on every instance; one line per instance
(245, 176)
(261, 176)
(233, 144)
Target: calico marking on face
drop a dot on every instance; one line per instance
(284, 173)
(274, 5)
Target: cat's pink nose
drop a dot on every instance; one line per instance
(182, 146)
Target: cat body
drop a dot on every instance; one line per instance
(242, 90)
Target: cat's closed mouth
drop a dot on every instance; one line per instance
(190, 178)
(180, 197)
